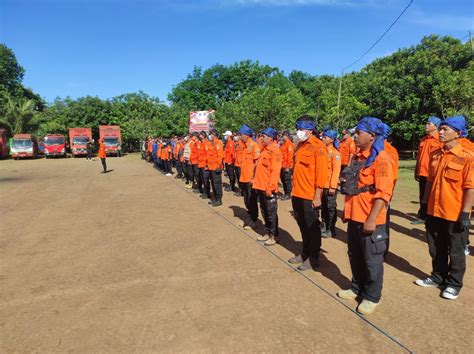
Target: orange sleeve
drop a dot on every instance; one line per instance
(275, 172)
(290, 152)
(383, 177)
(321, 166)
(336, 170)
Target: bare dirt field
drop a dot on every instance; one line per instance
(132, 261)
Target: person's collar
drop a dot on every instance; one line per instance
(456, 150)
(365, 154)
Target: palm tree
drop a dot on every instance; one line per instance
(17, 112)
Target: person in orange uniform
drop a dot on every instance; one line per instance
(367, 184)
(347, 148)
(203, 185)
(193, 161)
(167, 152)
(265, 183)
(229, 160)
(177, 158)
(149, 149)
(329, 206)
(310, 173)
(102, 155)
(287, 151)
(448, 201)
(250, 153)
(238, 146)
(429, 143)
(215, 156)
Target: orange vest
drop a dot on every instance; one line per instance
(102, 154)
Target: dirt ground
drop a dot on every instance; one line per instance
(132, 261)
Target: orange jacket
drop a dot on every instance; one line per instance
(334, 167)
(149, 146)
(250, 153)
(287, 151)
(311, 168)
(177, 147)
(102, 153)
(194, 157)
(380, 174)
(229, 152)
(451, 173)
(427, 145)
(167, 152)
(215, 154)
(347, 148)
(203, 146)
(239, 150)
(267, 171)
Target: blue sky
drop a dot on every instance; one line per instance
(109, 47)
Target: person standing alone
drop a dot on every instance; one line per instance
(102, 155)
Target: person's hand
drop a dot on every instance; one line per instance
(417, 178)
(343, 218)
(464, 220)
(331, 191)
(287, 170)
(369, 227)
(423, 211)
(316, 203)
(269, 194)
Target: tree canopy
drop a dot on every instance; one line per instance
(434, 77)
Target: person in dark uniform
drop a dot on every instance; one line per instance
(89, 150)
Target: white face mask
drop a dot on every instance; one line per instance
(302, 135)
(236, 138)
(226, 137)
(210, 137)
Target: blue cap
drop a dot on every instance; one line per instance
(270, 132)
(434, 120)
(305, 124)
(331, 134)
(457, 123)
(246, 130)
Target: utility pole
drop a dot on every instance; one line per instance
(472, 44)
(339, 95)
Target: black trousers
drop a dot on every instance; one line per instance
(216, 183)
(197, 178)
(421, 188)
(308, 221)
(237, 175)
(446, 242)
(329, 210)
(179, 167)
(229, 168)
(104, 164)
(167, 165)
(250, 200)
(186, 171)
(89, 154)
(286, 181)
(191, 172)
(269, 209)
(205, 185)
(366, 255)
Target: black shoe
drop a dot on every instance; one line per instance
(297, 259)
(210, 202)
(217, 203)
(285, 197)
(309, 263)
(227, 189)
(203, 196)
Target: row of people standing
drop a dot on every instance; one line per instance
(369, 173)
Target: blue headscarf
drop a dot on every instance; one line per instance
(270, 132)
(434, 120)
(457, 123)
(332, 134)
(246, 130)
(373, 126)
(305, 124)
(386, 130)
